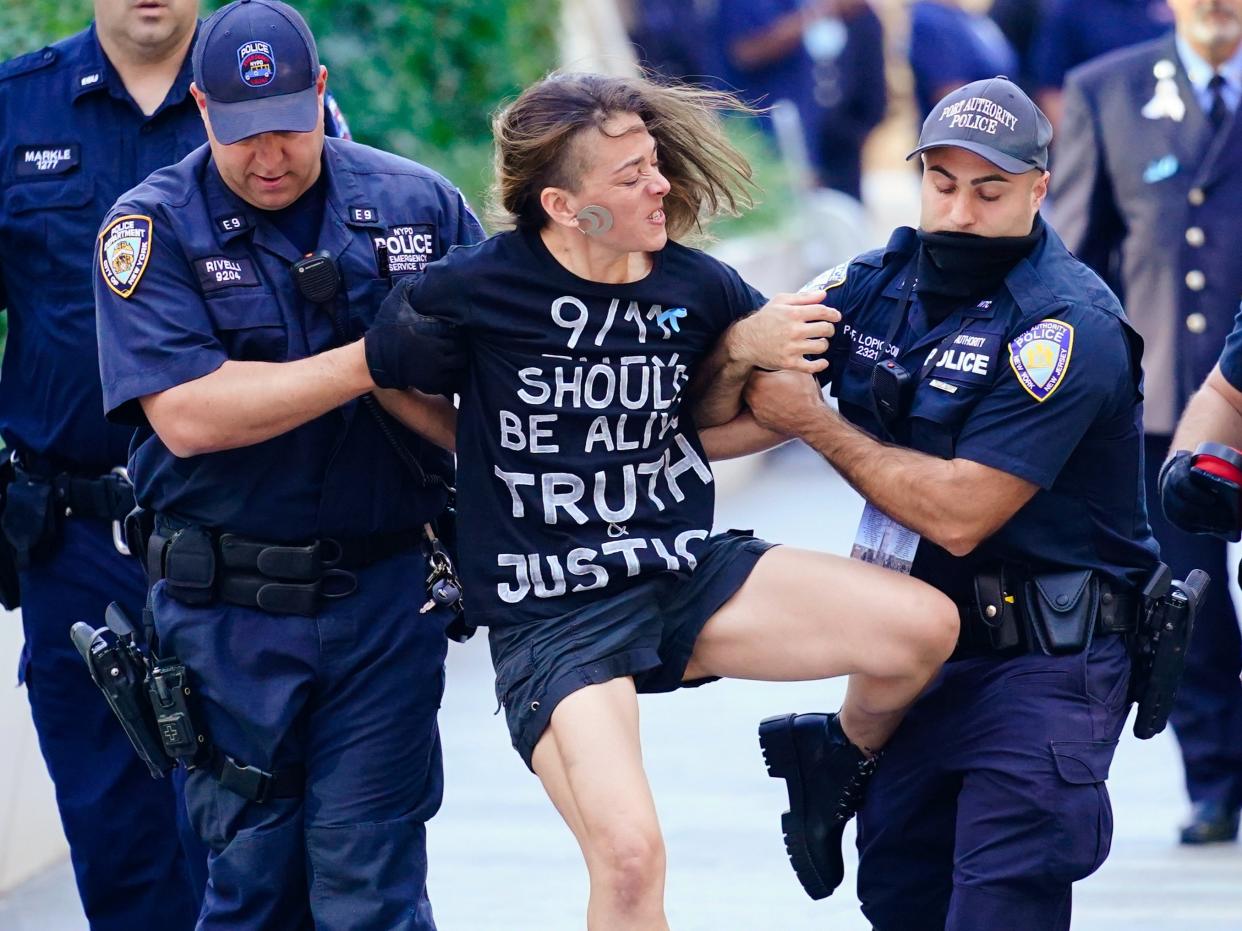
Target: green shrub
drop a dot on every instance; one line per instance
(422, 78)
(416, 77)
(26, 25)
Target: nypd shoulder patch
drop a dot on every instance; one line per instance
(1040, 357)
(833, 278)
(124, 252)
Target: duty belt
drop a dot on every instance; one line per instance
(105, 497)
(997, 621)
(200, 566)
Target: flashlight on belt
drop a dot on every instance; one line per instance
(1219, 460)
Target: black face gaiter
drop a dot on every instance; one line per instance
(963, 265)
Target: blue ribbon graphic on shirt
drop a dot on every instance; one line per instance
(671, 316)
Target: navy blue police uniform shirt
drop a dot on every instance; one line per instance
(579, 470)
(71, 141)
(1041, 381)
(190, 276)
(950, 47)
(1231, 356)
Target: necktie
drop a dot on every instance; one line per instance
(1218, 112)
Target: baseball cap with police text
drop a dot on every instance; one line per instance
(994, 119)
(257, 64)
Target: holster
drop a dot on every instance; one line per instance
(1158, 648)
(10, 584)
(153, 700)
(1061, 609)
(31, 520)
(122, 670)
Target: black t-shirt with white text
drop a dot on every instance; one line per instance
(579, 472)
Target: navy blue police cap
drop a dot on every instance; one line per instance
(994, 119)
(257, 64)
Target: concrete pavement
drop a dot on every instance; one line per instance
(501, 859)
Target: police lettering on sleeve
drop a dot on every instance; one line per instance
(578, 467)
(1061, 378)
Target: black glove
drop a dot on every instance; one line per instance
(1197, 501)
(406, 349)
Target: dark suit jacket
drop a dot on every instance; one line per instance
(1155, 206)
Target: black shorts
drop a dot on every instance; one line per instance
(647, 631)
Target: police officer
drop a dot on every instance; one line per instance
(1149, 194)
(290, 517)
(80, 122)
(990, 414)
(1195, 499)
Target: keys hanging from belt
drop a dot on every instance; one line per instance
(442, 583)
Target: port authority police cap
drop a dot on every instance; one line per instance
(994, 119)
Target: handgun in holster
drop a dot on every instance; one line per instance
(150, 697)
(1158, 647)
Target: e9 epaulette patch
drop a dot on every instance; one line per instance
(124, 251)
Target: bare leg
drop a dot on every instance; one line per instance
(590, 762)
(804, 615)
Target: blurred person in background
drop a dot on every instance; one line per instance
(668, 38)
(950, 46)
(1149, 193)
(1072, 32)
(827, 58)
(1019, 20)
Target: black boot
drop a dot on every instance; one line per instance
(826, 776)
(1211, 823)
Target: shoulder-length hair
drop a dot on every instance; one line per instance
(535, 149)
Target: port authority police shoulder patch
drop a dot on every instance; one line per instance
(1040, 357)
(833, 278)
(124, 251)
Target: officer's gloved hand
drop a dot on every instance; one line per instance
(1197, 501)
(406, 349)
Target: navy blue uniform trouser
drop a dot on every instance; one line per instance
(124, 830)
(352, 696)
(990, 800)
(1207, 716)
